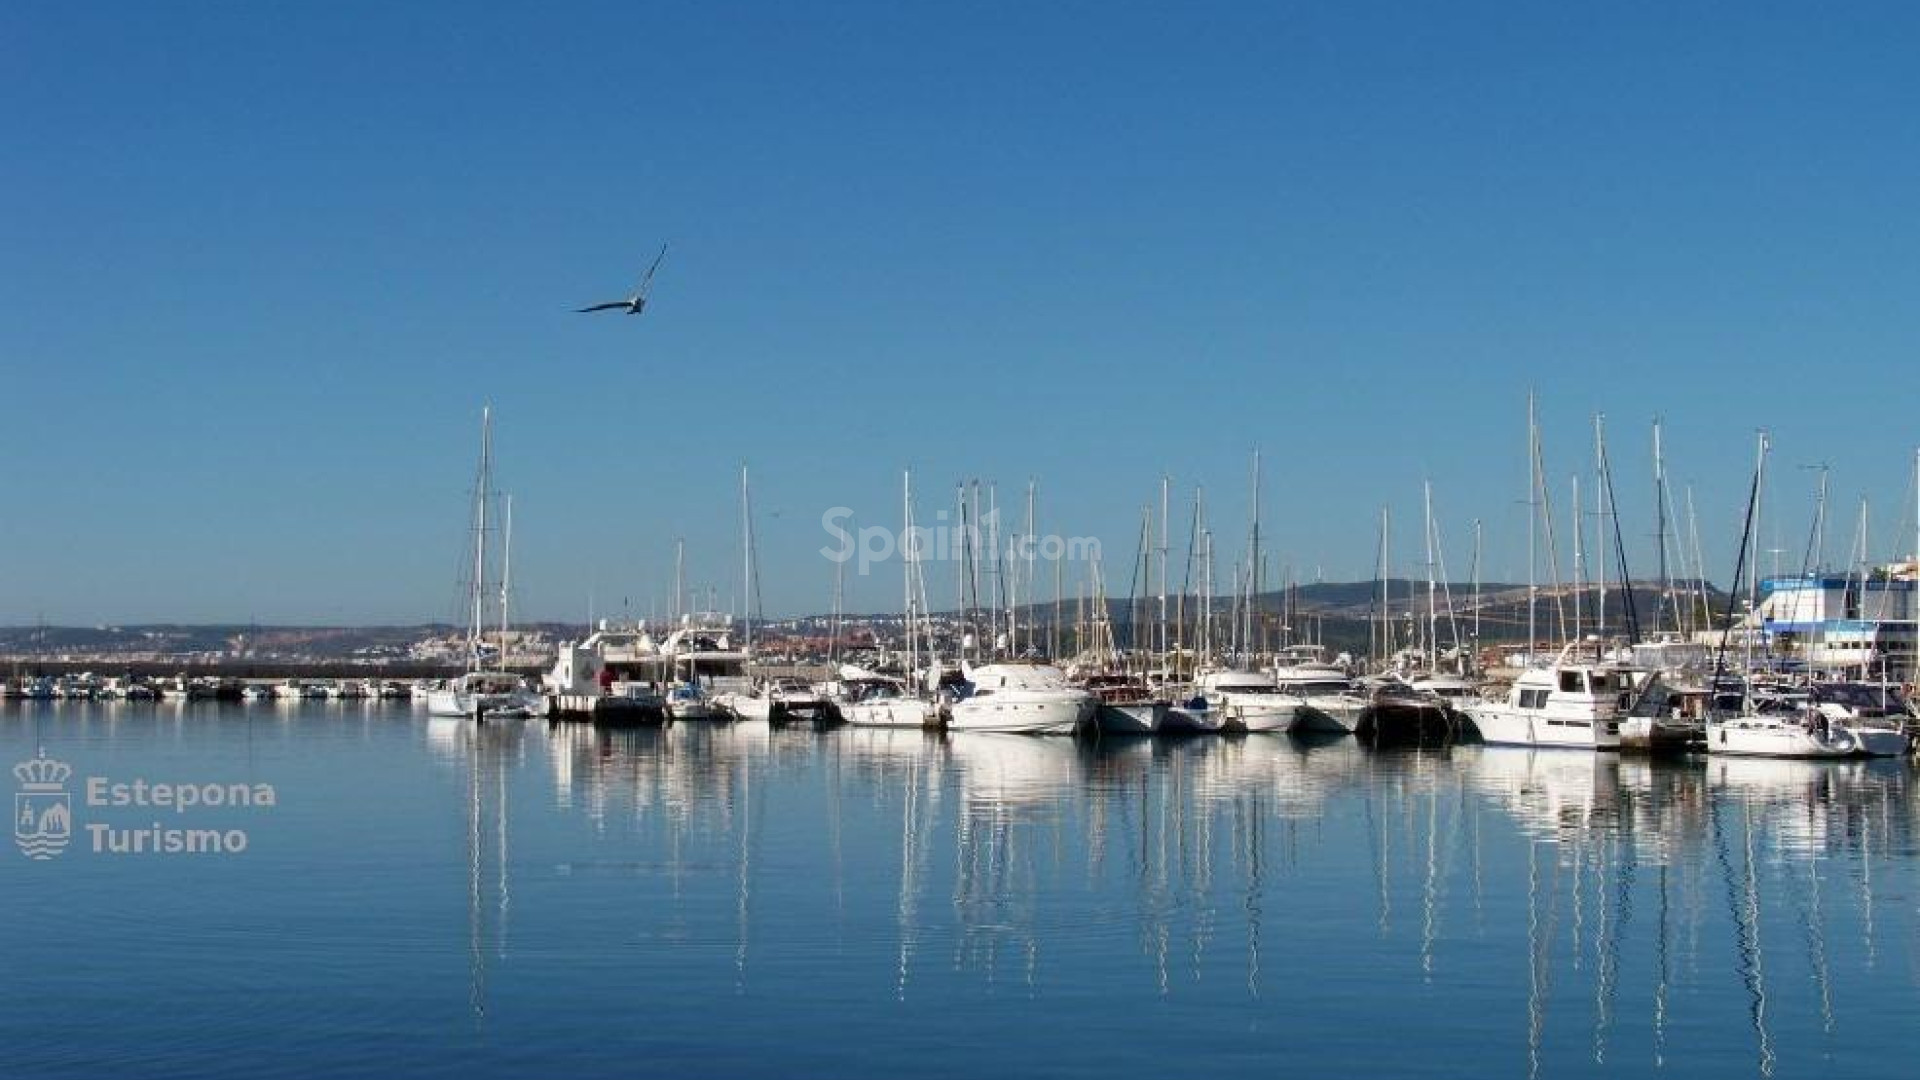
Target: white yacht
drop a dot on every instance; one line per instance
(1020, 697)
(876, 702)
(612, 676)
(1571, 704)
(703, 664)
(1249, 701)
(1330, 700)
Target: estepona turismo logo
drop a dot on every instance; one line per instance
(44, 818)
(42, 809)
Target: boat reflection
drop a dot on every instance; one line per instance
(1629, 898)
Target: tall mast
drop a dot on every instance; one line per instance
(679, 579)
(1476, 590)
(1433, 610)
(907, 557)
(1027, 556)
(1379, 633)
(1206, 591)
(506, 574)
(1533, 528)
(1759, 498)
(1253, 563)
(1053, 632)
(1603, 496)
(746, 558)
(1660, 523)
(1579, 555)
(481, 485)
(1165, 486)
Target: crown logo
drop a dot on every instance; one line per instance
(42, 773)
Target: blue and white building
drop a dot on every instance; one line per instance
(1842, 623)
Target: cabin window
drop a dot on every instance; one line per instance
(1533, 698)
(1570, 682)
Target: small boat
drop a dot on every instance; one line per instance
(1192, 716)
(1127, 707)
(1875, 715)
(689, 701)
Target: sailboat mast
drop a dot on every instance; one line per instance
(1433, 610)
(1206, 593)
(506, 574)
(1603, 496)
(906, 572)
(1165, 483)
(1579, 556)
(679, 580)
(1660, 522)
(1253, 562)
(1533, 528)
(746, 559)
(1377, 627)
(481, 484)
(1476, 589)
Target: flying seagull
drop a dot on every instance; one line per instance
(637, 303)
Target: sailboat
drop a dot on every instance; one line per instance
(480, 693)
(885, 704)
(1758, 732)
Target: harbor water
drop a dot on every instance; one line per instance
(397, 896)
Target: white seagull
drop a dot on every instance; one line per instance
(637, 303)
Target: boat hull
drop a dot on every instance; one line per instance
(1406, 722)
(1504, 725)
(1879, 741)
(1258, 711)
(459, 704)
(1132, 718)
(1022, 717)
(1330, 714)
(1775, 739)
(891, 713)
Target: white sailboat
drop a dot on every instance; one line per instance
(900, 704)
(480, 693)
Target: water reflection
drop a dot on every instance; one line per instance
(1582, 909)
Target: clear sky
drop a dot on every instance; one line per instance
(264, 264)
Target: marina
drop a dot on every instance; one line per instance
(1551, 913)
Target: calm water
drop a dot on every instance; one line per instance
(430, 898)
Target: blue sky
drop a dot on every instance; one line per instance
(265, 264)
